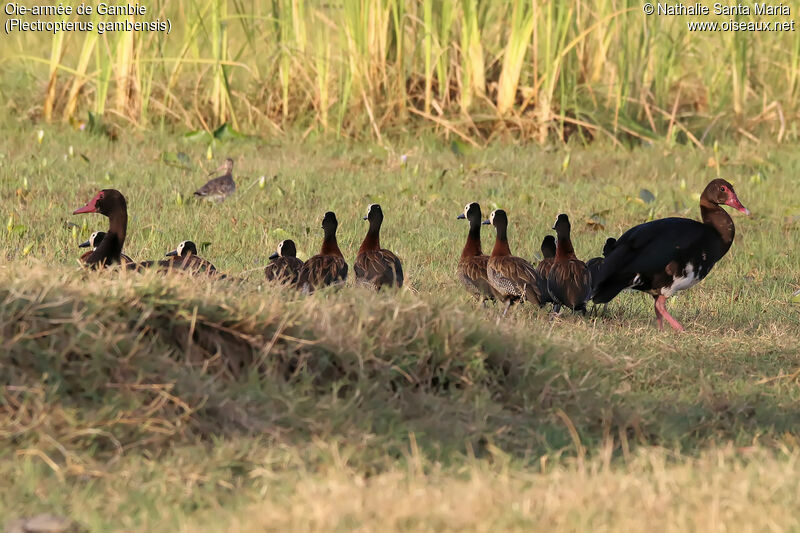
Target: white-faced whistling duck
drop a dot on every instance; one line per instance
(472, 263)
(284, 266)
(569, 281)
(512, 277)
(374, 266)
(328, 267)
(665, 256)
(184, 257)
(219, 188)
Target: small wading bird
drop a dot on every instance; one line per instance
(219, 188)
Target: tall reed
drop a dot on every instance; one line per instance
(543, 69)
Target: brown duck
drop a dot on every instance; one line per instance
(512, 277)
(111, 203)
(284, 266)
(376, 267)
(185, 257)
(328, 267)
(219, 188)
(472, 264)
(569, 281)
(93, 242)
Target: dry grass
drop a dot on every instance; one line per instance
(145, 403)
(655, 491)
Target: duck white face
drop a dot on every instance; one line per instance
(180, 248)
(466, 208)
(491, 216)
(93, 239)
(280, 247)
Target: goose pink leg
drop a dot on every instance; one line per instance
(661, 309)
(659, 320)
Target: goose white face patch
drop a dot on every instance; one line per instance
(92, 238)
(466, 207)
(491, 216)
(181, 246)
(280, 246)
(688, 279)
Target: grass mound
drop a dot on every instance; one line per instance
(109, 361)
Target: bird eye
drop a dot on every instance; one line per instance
(722, 188)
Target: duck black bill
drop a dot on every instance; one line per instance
(172, 253)
(85, 244)
(462, 216)
(274, 256)
(487, 222)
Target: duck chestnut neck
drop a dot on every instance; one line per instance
(473, 244)
(564, 249)
(372, 241)
(501, 241)
(329, 244)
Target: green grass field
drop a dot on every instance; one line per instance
(146, 403)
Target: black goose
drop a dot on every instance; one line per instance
(284, 266)
(111, 203)
(473, 262)
(374, 266)
(93, 242)
(665, 256)
(512, 277)
(544, 266)
(219, 188)
(328, 267)
(569, 281)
